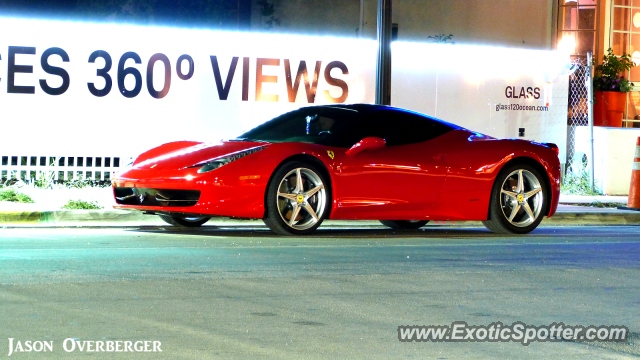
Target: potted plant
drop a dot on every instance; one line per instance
(611, 89)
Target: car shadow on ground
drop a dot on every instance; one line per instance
(369, 232)
(354, 233)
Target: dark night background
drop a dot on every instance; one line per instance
(222, 14)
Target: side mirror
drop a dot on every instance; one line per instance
(368, 143)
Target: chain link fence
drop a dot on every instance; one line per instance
(578, 115)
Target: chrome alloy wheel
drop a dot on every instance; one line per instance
(521, 198)
(301, 198)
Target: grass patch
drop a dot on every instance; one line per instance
(579, 184)
(598, 204)
(82, 205)
(14, 196)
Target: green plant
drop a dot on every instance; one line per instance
(47, 177)
(441, 39)
(608, 76)
(14, 196)
(579, 184)
(267, 11)
(82, 205)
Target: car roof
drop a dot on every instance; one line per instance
(368, 108)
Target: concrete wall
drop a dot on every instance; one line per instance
(614, 151)
(512, 23)
(313, 17)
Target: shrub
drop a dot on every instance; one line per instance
(82, 205)
(14, 196)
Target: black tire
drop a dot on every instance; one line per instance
(279, 210)
(502, 218)
(189, 222)
(404, 224)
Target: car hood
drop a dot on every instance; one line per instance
(182, 154)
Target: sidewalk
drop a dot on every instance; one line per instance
(36, 215)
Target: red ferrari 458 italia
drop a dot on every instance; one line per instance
(364, 162)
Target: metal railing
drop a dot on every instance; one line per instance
(30, 168)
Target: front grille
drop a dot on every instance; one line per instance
(156, 197)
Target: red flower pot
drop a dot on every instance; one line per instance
(609, 108)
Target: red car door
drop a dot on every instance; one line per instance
(402, 178)
(399, 180)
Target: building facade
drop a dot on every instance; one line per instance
(577, 26)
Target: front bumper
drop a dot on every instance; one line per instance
(222, 192)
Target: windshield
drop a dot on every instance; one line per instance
(316, 126)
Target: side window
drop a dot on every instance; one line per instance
(331, 127)
(401, 128)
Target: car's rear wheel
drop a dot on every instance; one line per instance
(184, 221)
(518, 200)
(404, 224)
(298, 199)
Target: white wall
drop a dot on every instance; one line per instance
(465, 85)
(77, 121)
(460, 84)
(614, 150)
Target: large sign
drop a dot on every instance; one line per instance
(77, 89)
(502, 92)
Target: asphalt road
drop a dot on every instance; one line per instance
(339, 294)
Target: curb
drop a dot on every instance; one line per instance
(120, 218)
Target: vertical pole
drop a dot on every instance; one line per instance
(383, 74)
(361, 23)
(590, 112)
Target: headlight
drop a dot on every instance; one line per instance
(217, 163)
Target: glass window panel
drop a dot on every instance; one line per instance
(585, 41)
(620, 43)
(567, 2)
(635, 20)
(622, 2)
(636, 3)
(633, 110)
(569, 18)
(621, 18)
(566, 39)
(634, 75)
(634, 49)
(587, 18)
(589, 2)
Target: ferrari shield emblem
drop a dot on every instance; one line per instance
(331, 154)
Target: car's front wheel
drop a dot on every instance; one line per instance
(298, 199)
(518, 200)
(185, 221)
(404, 224)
